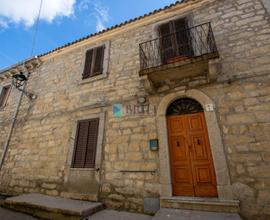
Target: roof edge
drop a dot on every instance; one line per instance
(28, 64)
(132, 20)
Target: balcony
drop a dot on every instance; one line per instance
(183, 54)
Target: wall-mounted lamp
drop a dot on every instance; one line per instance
(19, 80)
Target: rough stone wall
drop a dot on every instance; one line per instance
(243, 109)
(37, 157)
(242, 33)
(241, 30)
(40, 145)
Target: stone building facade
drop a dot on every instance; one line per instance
(233, 88)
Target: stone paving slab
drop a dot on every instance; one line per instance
(6, 214)
(178, 214)
(52, 207)
(117, 215)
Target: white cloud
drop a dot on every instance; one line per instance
(84, 5)
(100, 24)
(102, 15)
(3, 23)
(25, 11)
(101, 12)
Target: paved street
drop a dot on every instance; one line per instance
(178, 214)
(163, 214)
(6, 214)
(116, 215)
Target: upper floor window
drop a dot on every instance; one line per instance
(175, 40)
(93, 65)
(4, 92)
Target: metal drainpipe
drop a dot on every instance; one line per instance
(12, 126)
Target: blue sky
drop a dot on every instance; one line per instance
(62, 21)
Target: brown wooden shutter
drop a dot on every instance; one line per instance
(183, 37)
(85, 145)
(81, 142)
(166, 42)
(180, 24)
(4, 94)
(88, 64)
(99, 56)
(94, 62)
(90, 157)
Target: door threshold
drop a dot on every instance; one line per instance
(200, 203)
(193, 198)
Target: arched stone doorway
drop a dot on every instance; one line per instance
(192, 168)
(224, 188)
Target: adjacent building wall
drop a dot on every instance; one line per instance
(7, 113)
(38, 153)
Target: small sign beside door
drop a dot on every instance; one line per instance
(209, 107)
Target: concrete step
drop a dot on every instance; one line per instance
(50, 207)
(200, 204)
(178, 214)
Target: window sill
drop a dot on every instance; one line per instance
(82, 169)
(93, 79)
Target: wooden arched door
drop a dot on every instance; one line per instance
(192, 168)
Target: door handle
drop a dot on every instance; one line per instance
(178, 144)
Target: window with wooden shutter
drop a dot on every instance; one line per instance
(86, 143)
(175, 39)
(4, 95)
(93, 62)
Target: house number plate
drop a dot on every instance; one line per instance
(209, 107)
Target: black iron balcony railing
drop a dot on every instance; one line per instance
(184, 44)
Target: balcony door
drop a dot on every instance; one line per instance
(175, 41)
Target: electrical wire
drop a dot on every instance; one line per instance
(36, 29)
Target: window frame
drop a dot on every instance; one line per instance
(187, 15)
(106, 57)
(94, 59)
(101, 130)
(174, 39)
(4, 104)
(73, 165)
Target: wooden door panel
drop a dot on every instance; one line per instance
(182, 175)
(192, 168)
(205, 183)
(179, 149)
(201, 157)
(202, 174)
(200, 151)
(176, 125)
(181, 171)
(195, 123)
